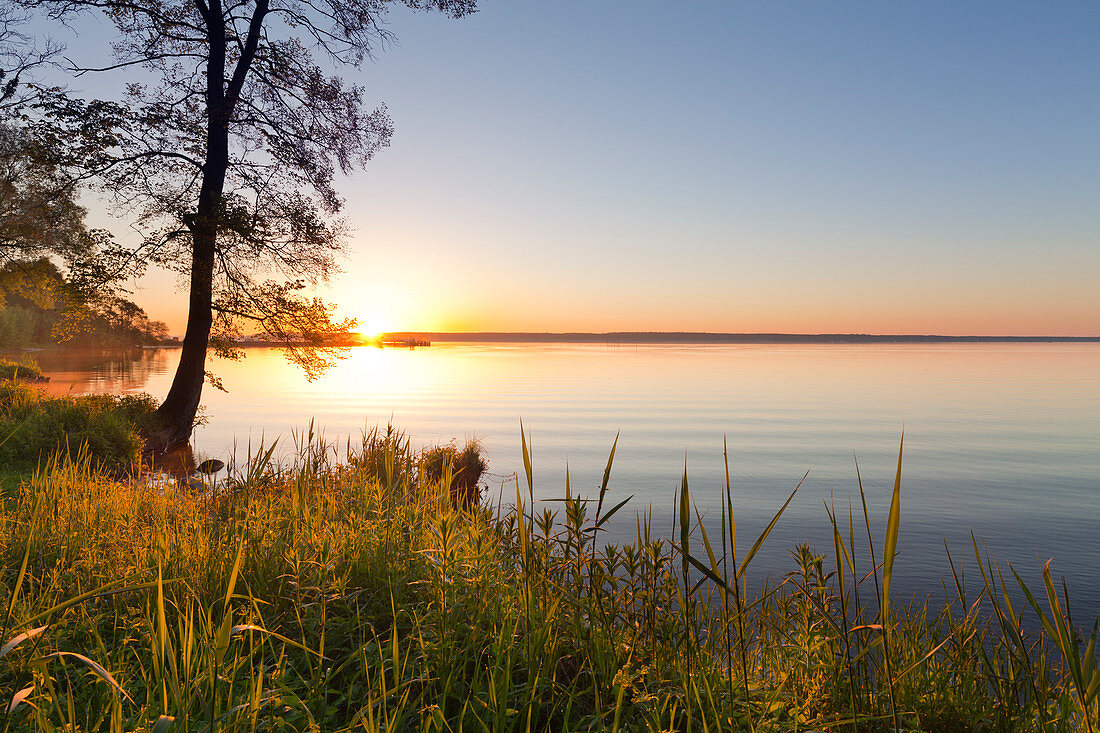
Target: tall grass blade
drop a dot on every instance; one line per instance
(19, 639)
(22, 569)
(890, 546)
(1083, 672)
(240, 629)
(232, 585)
(96, 668)
(612, 511)
(19, 698)
(685, 529)
(607, 475)
(767, 530)
(526, 458)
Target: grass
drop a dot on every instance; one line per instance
(35, 427)
(360, 596)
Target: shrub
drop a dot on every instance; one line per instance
(465, 467)
(23, 370)
(34, 426)
(388, 457)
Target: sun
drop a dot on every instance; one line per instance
(373, 325)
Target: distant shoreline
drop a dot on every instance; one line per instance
(686, 337)
(426, 338)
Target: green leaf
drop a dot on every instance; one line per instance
(611, 512)
(893, 524)
(767, 530)
(96, 668)
(20, 697)
(685, 522)
(164, 724)
(526, 459)
(233, 576)
(252, 627)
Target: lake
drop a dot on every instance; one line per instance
(1000, 439)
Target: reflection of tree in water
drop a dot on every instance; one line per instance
(78, 371)
(179, 462)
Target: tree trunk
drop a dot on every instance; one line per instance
(179, 407)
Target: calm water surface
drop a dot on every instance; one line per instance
(1001, 439)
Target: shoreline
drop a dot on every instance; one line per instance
(424, 339)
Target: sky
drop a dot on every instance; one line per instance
(807, 167)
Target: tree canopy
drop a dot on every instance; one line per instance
(39, 213)
(40, 216)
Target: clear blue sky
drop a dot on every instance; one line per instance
(726, 166)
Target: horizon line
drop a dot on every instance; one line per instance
(716, 336)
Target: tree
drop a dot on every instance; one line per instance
(20, 55)
(228, 157)
(39, 213)
(38, 209)
(41, 221)
(39, 305)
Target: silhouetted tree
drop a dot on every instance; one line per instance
(228, 154)
(40, 216)
(20, 55)
(38, 211)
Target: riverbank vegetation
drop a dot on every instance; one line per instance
(36, 427)
(356, 595)
(21, 370)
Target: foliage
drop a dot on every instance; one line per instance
(39, 306)
(460, 470)
(40, 218)
(25, 370)
(327, 597)
(388, 457)
(38, 209)
(20, 55)
(35, 428)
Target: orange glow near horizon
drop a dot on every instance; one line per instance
(436, 304)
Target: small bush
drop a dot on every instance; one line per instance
(25, 370)
(388, 457)
(465, 466)
(34, 426)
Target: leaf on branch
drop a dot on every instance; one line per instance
(215, 381)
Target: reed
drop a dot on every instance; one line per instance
(366, 595)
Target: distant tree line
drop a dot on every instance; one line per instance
(40, 307)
